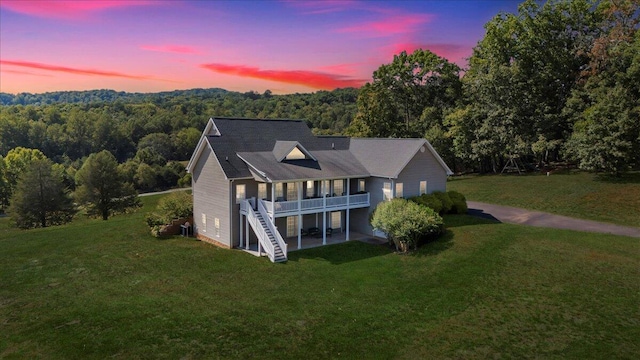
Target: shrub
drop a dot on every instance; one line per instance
(175, 205)
(447, 204)
(459, 202)
(428, 200)
(406, 223)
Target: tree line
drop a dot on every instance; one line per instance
(554, 82)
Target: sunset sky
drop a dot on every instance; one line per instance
(283, 46)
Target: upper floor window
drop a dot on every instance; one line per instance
(262, 191)
(423, 187)
(310, 189)
(361, 185)
(279, 192)
(338, 187)
(399, 190)
(326, 187)
(292, 191)
(241, 192)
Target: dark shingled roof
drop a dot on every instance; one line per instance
(259, 143)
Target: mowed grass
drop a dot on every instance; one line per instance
(96, 289)
(577, 194)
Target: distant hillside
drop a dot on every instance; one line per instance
(99, 96)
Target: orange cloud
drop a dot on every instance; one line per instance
(22, 72)
(178, 49)
(392, 25)
(313, 79)
(66, 9)
(77, 71)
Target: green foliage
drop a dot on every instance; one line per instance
(445, 200)
(429, 200)
(177, 205)
(459, 202)
(406, 223)
(40, 198)
(101, 189)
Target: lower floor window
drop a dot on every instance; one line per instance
(216, 224)
(292, 226)
(336, 220)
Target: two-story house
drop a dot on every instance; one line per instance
(258, 181)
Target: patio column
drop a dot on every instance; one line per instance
(241, 237)
(273, 200)
(299, 215)
(324, 213)
(246, 225)
(348, 208)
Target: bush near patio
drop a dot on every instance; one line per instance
(451, 202)
(406, 223)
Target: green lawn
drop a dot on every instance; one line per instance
(96, 289)
(577, 194)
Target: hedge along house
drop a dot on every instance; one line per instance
(258, 181)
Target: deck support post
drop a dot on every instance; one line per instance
(348, 208)
(246, 225)
(300, 215)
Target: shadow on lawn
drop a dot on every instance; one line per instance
(342, 253)
(627, 178)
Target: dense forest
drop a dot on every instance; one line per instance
(557, 82)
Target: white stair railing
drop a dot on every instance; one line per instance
(263, 211)
(261, 234)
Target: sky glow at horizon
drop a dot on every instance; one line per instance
(283, 46)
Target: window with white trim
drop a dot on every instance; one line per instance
(292, 226)
(279, 191)
(361, 186)
(216, 224)
(386, 191)
(399, 190)
(262, 191)
(338, 187)
(292, 191)
(310, 189)
(423, 187)
(326, 187)
(204, 223)
(241, 192)
(336, 220)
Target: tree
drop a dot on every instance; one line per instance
(5, 193)
(41, 199)
(521, 75)
(17, 162)
(606, 109)
(405, 223)
(394, 103)
(100, 187)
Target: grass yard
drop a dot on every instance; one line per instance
(577, 194)
(96, 289)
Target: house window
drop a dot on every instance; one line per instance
(326, 187)
(310, 189)
(216, 224)
(279, 192)
(295, 154)
(336, 220)
(204, 222)
(399, 189)
(361, 187)
(292, 226)
(423, 187)
(241, 192)
(292, 191)
(262, 191)
(338, 187)
(386, 191)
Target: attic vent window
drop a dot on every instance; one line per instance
(295, 154)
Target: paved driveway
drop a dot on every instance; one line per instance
(514, 215)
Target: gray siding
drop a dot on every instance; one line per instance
(210, 197)
(423, 166)
(251, 190)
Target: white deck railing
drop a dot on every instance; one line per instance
(316, 204)
(273, 228)
(261, 234)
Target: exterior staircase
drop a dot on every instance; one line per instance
(268, 236)
(278, 253)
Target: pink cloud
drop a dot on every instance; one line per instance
(313, 79)
(65, 9)
(321, 7)
(392, 25)
(76, 71)
(169, 48)
(22, 73)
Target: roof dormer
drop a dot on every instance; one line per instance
(291, 150)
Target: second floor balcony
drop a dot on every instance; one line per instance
(315, 205)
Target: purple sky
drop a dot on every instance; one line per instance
(284, 46)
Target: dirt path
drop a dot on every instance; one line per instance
(164, 192)
(514, 215)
